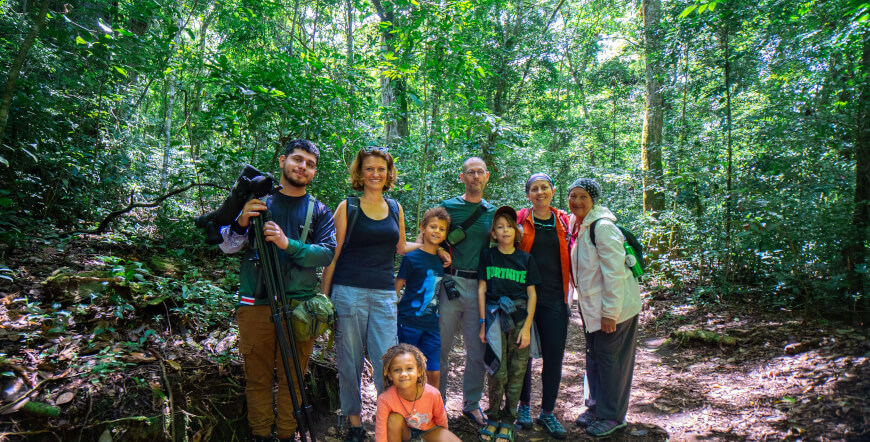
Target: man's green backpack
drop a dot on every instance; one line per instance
(313, 317)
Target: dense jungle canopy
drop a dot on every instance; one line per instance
(732, 136)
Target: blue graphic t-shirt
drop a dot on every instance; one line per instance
(418, 307)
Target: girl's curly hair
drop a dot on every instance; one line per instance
(401, 349)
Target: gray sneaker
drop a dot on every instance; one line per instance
(604, 427)
(586, 419)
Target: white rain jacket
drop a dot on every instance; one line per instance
(605, 286)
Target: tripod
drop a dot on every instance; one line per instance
(266, 257)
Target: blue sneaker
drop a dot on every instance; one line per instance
(552, 426)
(524, 416)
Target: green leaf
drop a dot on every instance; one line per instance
(35, 159)
(687, 11)
(80, 41)
(703, 8)
(3, 160)
(121, 70)
(415, 99)
(712, 6)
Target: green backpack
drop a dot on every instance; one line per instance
(630, 239)
(313, 317)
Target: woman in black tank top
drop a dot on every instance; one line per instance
(361, 278)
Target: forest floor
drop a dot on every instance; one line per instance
(132, 364)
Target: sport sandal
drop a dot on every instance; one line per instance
(480, 421)
(603, 427)
(552, 426)
(485, 434)
(505, 432)
(524, 416)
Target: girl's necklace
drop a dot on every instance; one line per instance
(413, 405)
(414, 419)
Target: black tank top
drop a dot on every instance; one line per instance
(545, 250)
(366, 261)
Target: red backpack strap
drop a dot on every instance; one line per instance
(522, 215)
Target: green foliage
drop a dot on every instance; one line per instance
(115, 94)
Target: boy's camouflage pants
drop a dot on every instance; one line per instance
(507, 382)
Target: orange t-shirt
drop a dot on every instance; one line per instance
(425, 413)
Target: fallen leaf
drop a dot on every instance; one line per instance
(137, 358)
(106, 436)
(64, 398)
(175, 365)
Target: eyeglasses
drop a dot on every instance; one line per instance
(478, 172)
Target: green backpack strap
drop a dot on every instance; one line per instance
(307, 227)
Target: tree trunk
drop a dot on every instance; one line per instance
(856, 250)
(651, 138)
(729, 198)
(349, 31)
(395, 120)
(15, 69)
(169, 101)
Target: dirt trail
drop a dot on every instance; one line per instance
(785, 378)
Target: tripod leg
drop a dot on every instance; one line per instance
(285, 404)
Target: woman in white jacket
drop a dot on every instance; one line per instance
(609, 298)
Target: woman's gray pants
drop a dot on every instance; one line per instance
(609, 369)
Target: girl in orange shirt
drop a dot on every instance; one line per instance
(409, 408)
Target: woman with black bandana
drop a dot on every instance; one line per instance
(609, 298)
(545, 237)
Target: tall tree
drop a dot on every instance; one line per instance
(15, 69)
(653, 121)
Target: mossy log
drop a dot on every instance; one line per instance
(706, 336)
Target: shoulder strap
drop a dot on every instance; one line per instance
(474, 216)
(564, 220)
(352, 206)
(307, 227)
(394, 209)
(522, 215)
(592, 231)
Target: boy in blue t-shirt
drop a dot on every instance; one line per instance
(420, 275)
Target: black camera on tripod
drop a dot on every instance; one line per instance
(250, 184)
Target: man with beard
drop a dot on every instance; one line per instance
(298, 260)
(463, 311)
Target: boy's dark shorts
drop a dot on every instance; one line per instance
(429, 342)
